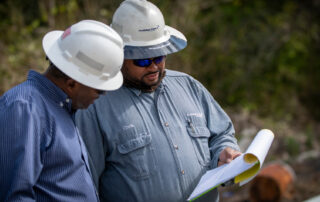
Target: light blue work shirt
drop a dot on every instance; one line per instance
(42, 156)
(155, 146)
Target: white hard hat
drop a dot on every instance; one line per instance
(142, 28)
(89, 52)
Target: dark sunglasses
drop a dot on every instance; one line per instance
(148, 61)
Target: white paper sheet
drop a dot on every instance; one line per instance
(242, 169)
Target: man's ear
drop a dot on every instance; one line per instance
(71, 87)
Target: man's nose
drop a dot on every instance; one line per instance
(153, 66)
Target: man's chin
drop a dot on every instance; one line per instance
(151, 83)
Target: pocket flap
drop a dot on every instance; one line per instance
(134, 144)
(198, 131)
(197, 126)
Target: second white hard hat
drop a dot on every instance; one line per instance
(142, 28)
(89, 52)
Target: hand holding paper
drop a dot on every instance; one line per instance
(227, 155)
(242, 169)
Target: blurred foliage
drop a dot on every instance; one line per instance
(261, 56)
(293, 146)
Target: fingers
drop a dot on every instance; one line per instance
(227, 155)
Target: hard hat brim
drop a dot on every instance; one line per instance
(176, 42)
(55, 54)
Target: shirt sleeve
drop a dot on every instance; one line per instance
(219, 124)
(89, 128)
(20, 157)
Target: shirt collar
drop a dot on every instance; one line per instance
(55, 93)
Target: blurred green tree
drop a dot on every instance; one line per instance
(258, 55)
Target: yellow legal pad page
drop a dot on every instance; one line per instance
(241, 170)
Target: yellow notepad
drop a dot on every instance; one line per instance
(240, 170)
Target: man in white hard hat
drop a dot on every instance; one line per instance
(42, 156)
(153, 139)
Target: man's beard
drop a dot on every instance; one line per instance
(140, 84)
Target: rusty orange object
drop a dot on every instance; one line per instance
(273, 183)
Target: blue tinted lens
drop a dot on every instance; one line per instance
(142, 62)
(158, 60)
(147, 62)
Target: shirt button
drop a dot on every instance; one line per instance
(166, 124)
(182, 172)
(176, 147)
(67, 100)
(61, 104)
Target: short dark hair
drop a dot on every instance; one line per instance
(54, 71)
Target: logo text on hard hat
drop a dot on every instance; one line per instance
(149, 29)
(66, 33)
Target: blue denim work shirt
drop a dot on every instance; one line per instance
(42, 156)
(155, 146)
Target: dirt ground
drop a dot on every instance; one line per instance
(305, 186)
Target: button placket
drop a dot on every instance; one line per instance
(174, 147)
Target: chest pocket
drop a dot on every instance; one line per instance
(197, 129)
(136, 154)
